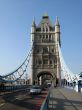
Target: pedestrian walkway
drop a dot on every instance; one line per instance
(65, 99)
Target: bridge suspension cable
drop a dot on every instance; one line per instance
(19, 72)
(65, 71)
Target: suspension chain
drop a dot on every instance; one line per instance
(19, 72)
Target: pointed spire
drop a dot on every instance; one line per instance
(33, 22)
(57, 21)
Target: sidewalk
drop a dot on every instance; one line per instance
(65, 99)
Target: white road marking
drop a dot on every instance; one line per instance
(2, 104)
(21, 97)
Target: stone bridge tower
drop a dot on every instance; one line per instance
(45, 56)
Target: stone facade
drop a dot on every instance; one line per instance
(45, 57)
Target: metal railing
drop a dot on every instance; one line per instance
(45, 104)
(13, 88)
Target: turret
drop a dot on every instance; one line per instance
(57, 40)
(33, 27)
(57, 31)
(33, 30)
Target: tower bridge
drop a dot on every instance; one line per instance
(47, 62)
(44, 64)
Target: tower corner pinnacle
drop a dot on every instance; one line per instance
(57, 21)
(33, 22)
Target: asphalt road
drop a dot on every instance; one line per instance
(21, 100)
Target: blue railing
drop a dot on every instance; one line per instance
(13, 88)
(45, 104)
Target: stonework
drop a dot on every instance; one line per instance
(45, 56)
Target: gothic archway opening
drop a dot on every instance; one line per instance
(44, 78)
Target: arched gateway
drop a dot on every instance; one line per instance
(44, 77)
(45, 55)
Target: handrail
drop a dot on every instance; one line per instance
(46, 102)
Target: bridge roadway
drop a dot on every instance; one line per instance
(65, 99)
(21, 100)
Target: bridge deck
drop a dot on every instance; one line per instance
(65, 99)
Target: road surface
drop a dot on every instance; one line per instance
(21, 100)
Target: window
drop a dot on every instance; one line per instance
(45, 61)
(51, 62)
(50, 37)
(40, 62)
(46, 29)
(46, 36)
(37, 50)
(43, 36)
(52, 50)
(45, 49)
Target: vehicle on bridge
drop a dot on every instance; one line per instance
(35, 89)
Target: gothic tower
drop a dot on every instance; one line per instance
(45, 56)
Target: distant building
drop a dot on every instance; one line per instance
(21, 82)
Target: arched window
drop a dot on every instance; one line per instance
(46, 29)
(46, 36)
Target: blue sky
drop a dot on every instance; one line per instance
(15, 24)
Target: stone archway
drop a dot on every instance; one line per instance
(44, 77)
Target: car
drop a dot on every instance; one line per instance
(49, 84)
(35, 89)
